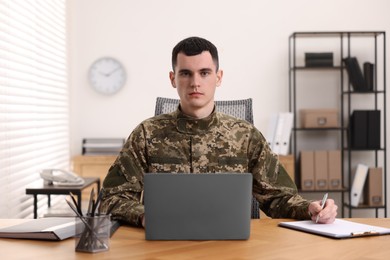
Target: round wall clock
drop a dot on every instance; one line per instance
(107, 75)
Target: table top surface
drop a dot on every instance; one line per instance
(42, 188)
(267, 241)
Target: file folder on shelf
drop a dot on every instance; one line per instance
(307, 170)
(358, 184)
(321, 170)
(279, 132)
(286, 132)
(374, 187)
(271, 130)
(334, 170)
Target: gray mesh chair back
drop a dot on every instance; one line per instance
(238, 108)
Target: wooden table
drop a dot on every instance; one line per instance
(267, 241)
(60, 190)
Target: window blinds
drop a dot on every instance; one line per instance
(34, 107)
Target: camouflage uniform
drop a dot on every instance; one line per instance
(219, 143)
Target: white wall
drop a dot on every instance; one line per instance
(252, 37)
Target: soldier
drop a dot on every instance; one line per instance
(197, 139)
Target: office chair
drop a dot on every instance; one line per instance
(238, 108)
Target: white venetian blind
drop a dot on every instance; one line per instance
(33, 99)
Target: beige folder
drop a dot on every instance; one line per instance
(321, 170)
(334, 170)
(307, 170)
(373, 189)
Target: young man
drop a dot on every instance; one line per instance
(197, 139)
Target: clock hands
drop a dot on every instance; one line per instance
(109, 74)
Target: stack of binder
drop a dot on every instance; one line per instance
(279, 132)
(102, 146)
(364, 129)
(362, 81)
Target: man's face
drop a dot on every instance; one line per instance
(196, 78)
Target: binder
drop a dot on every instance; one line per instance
(358, 129)
(374, 187)
(307, 170)
(279, 134)
(271, 131)
(53, 228)
(355, 74)
(288, 119)
(334, 170)
(368, 72)
(365, 129)
(321, 170)
(373, 129)
(358, 184)
(45, 228)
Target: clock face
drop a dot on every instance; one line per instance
(107, 75)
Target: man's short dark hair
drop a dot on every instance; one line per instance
(193, 46)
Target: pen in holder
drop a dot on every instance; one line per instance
(93, 233)
(93, 229)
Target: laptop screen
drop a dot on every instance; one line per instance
(183, 206)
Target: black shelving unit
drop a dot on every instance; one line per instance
(343, 44)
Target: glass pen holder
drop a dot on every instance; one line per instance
(93, 233)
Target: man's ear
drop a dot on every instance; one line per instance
(219, 77)
(172, 78)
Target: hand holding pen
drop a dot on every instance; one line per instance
(324, 211)
(322, 205)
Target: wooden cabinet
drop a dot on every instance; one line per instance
(92, 166)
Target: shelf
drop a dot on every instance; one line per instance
(372, 46)
(337, 34)
(363, 149)
(364, 92)
(316, 68)
(322, 191)
(319, 129)
(364, 206)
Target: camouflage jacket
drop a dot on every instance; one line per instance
(219, 143)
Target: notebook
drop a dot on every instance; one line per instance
(184, 206)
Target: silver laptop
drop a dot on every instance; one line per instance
(186, 206)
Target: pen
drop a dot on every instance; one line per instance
(322, 205)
